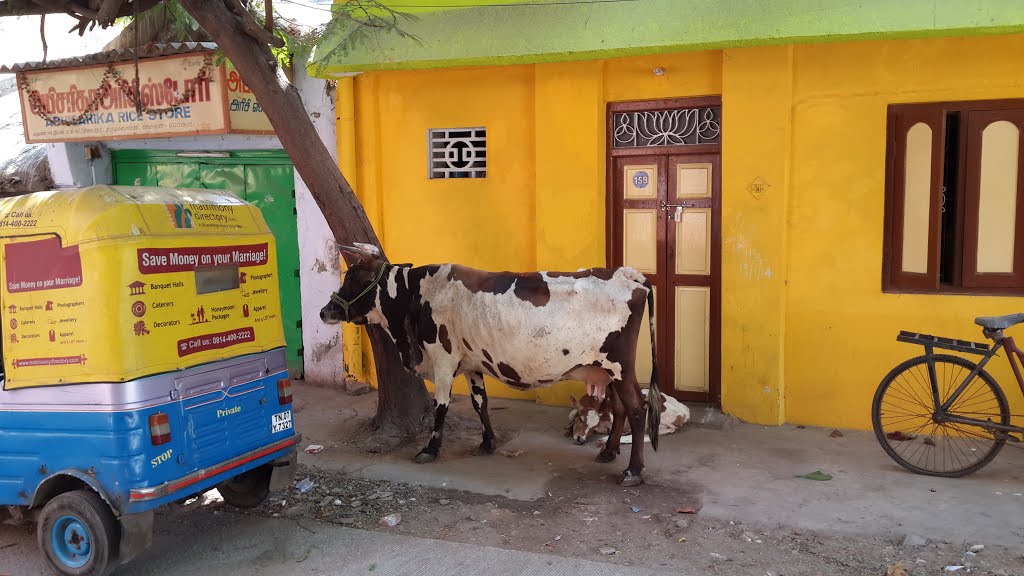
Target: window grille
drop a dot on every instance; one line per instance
(680, 127)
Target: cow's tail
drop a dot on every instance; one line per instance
(654, 395)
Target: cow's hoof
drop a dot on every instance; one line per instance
(487, 446)
(425, 457)
(630, 479)
(605, 456)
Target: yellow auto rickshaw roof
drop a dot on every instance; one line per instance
(104, 212)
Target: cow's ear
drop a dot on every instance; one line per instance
(575, 402)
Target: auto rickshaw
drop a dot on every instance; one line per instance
(144, 362)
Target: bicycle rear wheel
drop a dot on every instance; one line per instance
(903, 417)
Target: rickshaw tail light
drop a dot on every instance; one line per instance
(159, 428)
(284, 391)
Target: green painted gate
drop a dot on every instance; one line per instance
(264, 178)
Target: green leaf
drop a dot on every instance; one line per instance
(816, 475)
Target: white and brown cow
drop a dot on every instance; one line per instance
(592, 416)
(527, 330)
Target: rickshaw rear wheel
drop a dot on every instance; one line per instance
(248, 489)
(78, 534)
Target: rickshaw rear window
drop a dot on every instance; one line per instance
(211, 279)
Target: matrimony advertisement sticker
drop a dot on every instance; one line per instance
(125, 308)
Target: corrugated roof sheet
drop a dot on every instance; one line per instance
(148, 51)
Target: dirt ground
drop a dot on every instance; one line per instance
(719, 496)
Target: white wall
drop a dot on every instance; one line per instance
(71, 168)
(319, 261)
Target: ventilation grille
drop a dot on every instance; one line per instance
(458, 152)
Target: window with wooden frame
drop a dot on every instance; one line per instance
(954, 202)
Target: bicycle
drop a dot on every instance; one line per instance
(930, 421)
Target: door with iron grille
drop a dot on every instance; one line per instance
(664, 217)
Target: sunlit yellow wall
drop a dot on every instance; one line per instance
(840, 327)
(756, 131)
(542, 205)
(807, 332)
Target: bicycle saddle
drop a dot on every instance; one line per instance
(999, 322)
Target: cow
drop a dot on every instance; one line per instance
(592, 416)
(527, 330)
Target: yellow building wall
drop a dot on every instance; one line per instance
(542, 205)
(840, 328)
(756, 122)
(807, 331)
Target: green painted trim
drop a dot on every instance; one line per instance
(261, 157)
(561, 33)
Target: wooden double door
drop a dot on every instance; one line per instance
(664, 203)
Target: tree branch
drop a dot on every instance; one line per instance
(40, 7)
(251, 27)
(42, 34)
(22, 8)
(403, 400)
(108, 11)
(283, 106)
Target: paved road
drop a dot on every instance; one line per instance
(227, 544)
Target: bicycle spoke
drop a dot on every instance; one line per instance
(981, 389)
(920, 446)
(905, 389)
(970, 433)
(899, 410)
(905, 420)
(914, 434)
(948, 388)
(925, 386)
(908, 390)
(904, 416)
(955, 450)
(969, 449)
(911, 397)
(980, 397)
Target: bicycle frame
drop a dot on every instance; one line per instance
(1001, 342)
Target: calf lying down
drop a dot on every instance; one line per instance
(593, 416)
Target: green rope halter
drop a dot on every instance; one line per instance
(346, 304)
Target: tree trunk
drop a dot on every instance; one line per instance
(403, 399)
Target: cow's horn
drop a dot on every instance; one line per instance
(367, 249)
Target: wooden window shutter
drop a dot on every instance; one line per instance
(994, 209)
(915, 197)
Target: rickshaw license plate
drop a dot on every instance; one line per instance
(281, 421)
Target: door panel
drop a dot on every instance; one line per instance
(641, 181)
(665, 222)
(692, 339)
(693, 242)
(694, 180)
(640, 239)
(693, 255)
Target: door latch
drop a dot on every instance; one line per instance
(676, 210)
